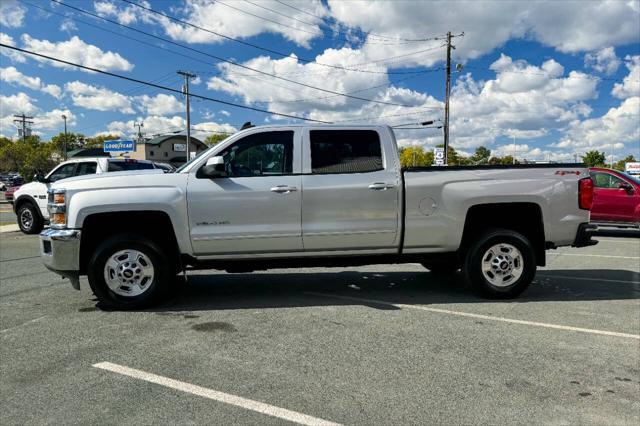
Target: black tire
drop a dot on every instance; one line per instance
(29, 219)
(154, 291)
(442, 268)
(473, 260)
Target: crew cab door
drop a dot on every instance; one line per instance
(351, 188)
(610, 202)
(257, 206)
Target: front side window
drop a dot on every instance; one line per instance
(345, 151)
(605, 180)
(62, 172)
(260, 154)
(87, 168)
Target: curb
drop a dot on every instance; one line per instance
(9, 228)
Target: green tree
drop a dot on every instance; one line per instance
(213, 139)
(594, 159)
(98, 141)
(74, 141)
(415, 156)
(620, 164)
(481, 156)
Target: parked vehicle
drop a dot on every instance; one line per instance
(291, 196)
(30, 203)
(616, 198)
(9, 193)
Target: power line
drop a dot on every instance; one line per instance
(135, 80)
(383, 36)
(292, 18)
(227, 60)
(266, 49)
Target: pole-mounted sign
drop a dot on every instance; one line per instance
(438, 157)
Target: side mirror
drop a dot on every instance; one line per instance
(214, 167)
(626, 186)
(39, 177)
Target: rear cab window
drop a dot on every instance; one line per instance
(345, 151)
(123, 165)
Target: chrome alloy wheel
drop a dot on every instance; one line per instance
(26, 218)
(502, 265)
(128, 273)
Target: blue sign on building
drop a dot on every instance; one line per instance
(119, 146)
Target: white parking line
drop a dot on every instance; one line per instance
(238, 401)
(620, 240)
(595, 255)
(567, 277)
(485, 317)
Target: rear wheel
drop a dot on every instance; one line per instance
(500, 264)
(29, 219)
(129, 272)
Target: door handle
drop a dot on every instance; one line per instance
(283, 189)
(381, 186)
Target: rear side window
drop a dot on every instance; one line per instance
(122, 165)
(87, 168)
(345, 151)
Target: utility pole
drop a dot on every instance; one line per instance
(185, 90)
(447, 95)
(64, 117)
(23, 121)
(139, 126)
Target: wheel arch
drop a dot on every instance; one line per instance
(153, 224)
(525, 218)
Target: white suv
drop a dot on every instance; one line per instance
(30, 201)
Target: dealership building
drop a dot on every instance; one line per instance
(170, 149)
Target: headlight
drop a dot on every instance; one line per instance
(57, 208)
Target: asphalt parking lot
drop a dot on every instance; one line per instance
(367, 345)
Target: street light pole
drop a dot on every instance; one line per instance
(64, 149)
(187, 76)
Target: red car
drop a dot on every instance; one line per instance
(616, 198)
(8, 195)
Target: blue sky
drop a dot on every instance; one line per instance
(543, 80)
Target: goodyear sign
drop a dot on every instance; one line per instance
(119, 146)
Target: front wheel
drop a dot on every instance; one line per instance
(29, 219)
(129, 272)
(500, 264)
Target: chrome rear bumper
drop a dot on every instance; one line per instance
(60, 252)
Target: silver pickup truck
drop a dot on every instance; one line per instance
(292, 196)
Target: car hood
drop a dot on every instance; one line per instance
(126, 179)
(28, 188)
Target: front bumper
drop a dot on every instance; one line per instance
(60, 252)
(583, 236)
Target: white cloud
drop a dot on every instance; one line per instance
(11, 14)
(618, 129)
(604, 60)
(17, 104)
(152, 125)
(21, 103)
(68, 26)
(11, 54)
(204, 129)
(77, 51)
(12, 76)
(160, 104)
(226, 20)
(97, 98)
(565, 25)
(630, 86)
(225, 113)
